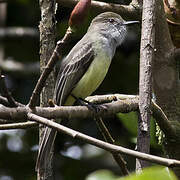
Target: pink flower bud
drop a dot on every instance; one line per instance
(79, 13)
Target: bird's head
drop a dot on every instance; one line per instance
(111, 25)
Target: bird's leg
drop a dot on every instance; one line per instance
(94, 107)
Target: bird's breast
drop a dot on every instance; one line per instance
(93, 77)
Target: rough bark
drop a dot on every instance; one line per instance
(145, 84)
(47, 45)
(166, 83)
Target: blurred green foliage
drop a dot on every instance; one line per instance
(155, 173)
(129, 120)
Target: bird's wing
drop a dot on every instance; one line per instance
(74, 67)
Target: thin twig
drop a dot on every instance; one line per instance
(23, 125)
(162, 120)
(108, 138)
(100, 99)
(6, 92)
(49, 67)
(104, 145)
(6, 103)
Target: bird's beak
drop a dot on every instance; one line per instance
(130, 22)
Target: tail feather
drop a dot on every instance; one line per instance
(45, 151)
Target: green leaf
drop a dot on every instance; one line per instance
(152, 173)
(129, 120)
(101, 175)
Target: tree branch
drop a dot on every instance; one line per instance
(103, 145)
(6, 92)
(69, 112)
(132, 11)
(23, 125)
(166, 84)
(100, 99)
(145, 82)
(6, 103)
(49, 67)
(121, 103)
(47, 30)
(157, 112)
(162, 120)
(108, 138)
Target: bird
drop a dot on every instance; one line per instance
(84, 68)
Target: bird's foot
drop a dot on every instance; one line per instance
(93, 107)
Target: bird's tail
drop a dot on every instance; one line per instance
(45, 151)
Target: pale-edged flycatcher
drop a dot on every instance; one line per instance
(84, 68)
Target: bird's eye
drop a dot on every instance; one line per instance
(111, 20)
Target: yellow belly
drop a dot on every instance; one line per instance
(92, 78)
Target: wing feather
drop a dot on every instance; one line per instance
(72, 71)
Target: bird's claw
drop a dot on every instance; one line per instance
(91, 106)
